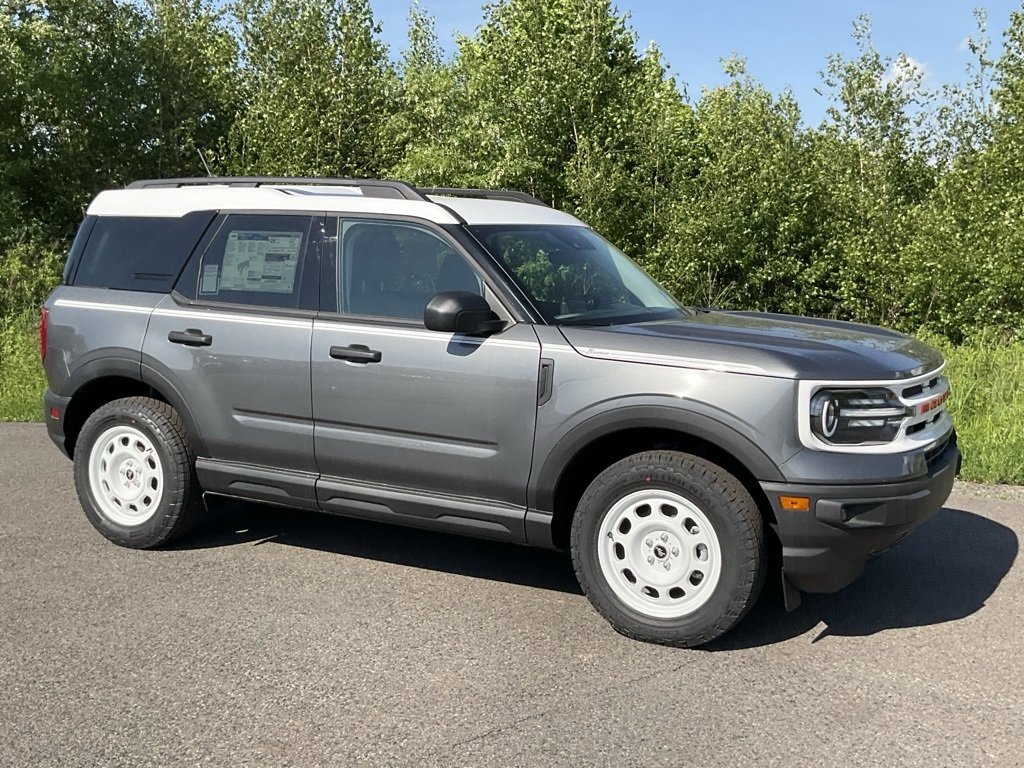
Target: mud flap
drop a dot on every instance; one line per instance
(790, 594)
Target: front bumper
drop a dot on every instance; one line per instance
(826, 548)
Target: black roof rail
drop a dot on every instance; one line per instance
(369, 187)
(487, 194)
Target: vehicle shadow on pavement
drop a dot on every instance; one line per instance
(229, 523)
(944, 571)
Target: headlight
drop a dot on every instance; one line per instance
(856, 416)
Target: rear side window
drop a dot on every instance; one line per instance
(139, 253)
(257, 260)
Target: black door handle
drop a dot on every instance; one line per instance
(190, 337)
(356, 353)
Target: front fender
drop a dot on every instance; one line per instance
(673, 417)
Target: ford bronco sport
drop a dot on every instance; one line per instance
(474, 361)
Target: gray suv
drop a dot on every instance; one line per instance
(476, 362)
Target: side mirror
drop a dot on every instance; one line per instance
(461, 312)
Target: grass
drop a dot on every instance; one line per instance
(21, 373)
(987, 404)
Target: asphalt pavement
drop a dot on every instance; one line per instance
(280, 637)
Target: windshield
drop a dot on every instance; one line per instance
(575, 277)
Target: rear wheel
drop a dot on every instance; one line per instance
(135, 473)
(669, 548)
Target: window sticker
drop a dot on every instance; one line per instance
(260, 261)
(210, 274)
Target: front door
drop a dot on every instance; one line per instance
(409, 422)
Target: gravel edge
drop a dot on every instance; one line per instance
(985, 491)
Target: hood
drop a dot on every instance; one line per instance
(761, 344)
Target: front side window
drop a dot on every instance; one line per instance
(574, 277)
(255, 260)
(392, 269)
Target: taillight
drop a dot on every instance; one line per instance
(44, 322)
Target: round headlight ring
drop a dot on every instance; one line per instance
(829, 417)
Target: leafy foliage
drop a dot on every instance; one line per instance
(874, 172)
(318, 90)
(743, 226)
(550, 97)
(966, 255)
(189, 60)
(901, 208)
(28, 272)
(96, 93)
(22, 380)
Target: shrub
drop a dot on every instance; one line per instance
(28, 272)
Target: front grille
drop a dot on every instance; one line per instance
(913, 428)
(926, 406)
(906, 415)
(920, 389)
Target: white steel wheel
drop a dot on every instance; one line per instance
(668, 547)
(125, 475)
(135, 473)
(659, 553)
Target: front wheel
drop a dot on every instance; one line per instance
(669, 548)
(135, 473)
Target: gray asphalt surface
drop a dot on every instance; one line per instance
(278, 637)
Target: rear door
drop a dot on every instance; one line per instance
(234, 342)
(410, 422)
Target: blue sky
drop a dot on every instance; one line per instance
(785, 42)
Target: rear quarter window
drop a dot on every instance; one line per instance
(139, 253)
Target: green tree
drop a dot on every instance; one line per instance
(966, 258)
(744, 228)
(15, 141)
(319, 90)
(622, 175)
(552, 98)
(189, 69)
(76, 105)
(874, 169)
(964, 121)
(430, 103)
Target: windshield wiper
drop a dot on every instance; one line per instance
(593, 322)
(638, 315)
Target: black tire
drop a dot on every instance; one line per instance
(717, 496)
(173, 511)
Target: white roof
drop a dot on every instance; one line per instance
(479, 211)
(178, 201)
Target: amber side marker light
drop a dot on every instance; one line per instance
(795, 503)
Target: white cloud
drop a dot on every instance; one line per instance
(907, 72)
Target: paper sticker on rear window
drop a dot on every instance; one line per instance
(261, 261)
(209, 282)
